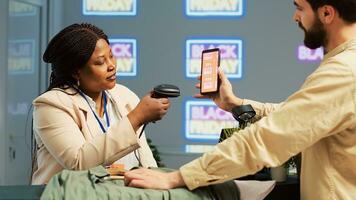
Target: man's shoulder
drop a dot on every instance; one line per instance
(343, 63)
(345, 60)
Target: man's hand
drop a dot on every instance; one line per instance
(151, 179)
(225, 98)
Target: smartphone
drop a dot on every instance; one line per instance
(210, 62)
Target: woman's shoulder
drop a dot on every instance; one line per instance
(55, 96)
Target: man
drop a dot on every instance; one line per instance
(318, 120)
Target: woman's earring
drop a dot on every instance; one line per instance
(78, 83)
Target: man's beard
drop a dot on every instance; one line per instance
(315, 37)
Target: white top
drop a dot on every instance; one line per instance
(130, 159)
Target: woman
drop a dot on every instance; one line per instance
(85, 119)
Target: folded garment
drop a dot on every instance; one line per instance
(97, 184)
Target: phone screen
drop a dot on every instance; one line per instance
(210, 62)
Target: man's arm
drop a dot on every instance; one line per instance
(319, 109)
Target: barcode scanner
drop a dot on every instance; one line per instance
(163, 91)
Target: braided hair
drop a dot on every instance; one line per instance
(69, 51)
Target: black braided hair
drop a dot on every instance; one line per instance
(69, 51)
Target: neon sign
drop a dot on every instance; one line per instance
(196, 148)
(110, 7)
(21, 9)
(313, 55)
(204, 8)
(230, 59)
(125, 52)
(21, 56)
(204, 120)
(21, 108)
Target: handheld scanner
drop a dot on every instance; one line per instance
(165, 91)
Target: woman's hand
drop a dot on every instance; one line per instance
(149, 109)
(225, 98)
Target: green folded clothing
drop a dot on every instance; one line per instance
(92, 184)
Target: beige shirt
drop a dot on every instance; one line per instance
(318, 120)
(69, 137)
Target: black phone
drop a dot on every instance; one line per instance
(210, 62)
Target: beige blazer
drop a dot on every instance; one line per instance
(69, 137)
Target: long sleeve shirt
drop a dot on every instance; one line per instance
(318, 120)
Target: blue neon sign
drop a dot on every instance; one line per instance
(110, 7)
(204, 120)
(125, 52)
(21, 56)
(219, 8)
(230, 59)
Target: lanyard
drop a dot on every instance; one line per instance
(105, 111)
